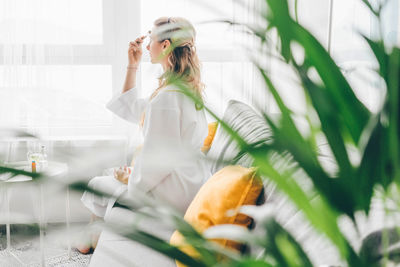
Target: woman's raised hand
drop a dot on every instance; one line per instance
(135, 51)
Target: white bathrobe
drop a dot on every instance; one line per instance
(170, 167)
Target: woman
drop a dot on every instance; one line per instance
(168, 168)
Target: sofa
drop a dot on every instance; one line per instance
(115, 250)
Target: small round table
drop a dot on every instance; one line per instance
(54, 170)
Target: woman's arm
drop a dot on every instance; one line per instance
(134, 56)
(130, 79)
(127, 105)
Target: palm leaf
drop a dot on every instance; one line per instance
(350, 110)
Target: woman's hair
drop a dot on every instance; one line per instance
(182, 57)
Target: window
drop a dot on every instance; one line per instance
(351, 52)
(49, 22)
(60, 63)
(62, 60)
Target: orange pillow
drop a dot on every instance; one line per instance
(226, 191)
(212, 129)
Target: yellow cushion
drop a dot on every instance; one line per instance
(212, 129)
(226, 191)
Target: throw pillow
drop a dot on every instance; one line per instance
(218, 202)
(212, 129)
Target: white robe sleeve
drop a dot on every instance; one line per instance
(162, 145)
(128, 106)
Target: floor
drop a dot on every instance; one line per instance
(25, 246)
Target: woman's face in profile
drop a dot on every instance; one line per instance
(155, 48)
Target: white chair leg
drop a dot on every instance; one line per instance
(41, 227)
(8, 230)
(67, 217)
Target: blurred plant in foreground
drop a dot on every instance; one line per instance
(334, 114)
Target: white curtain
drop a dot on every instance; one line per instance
(47, 85)
(61, 60)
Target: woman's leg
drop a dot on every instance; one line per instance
(94, 218)
(98, 207)
(89, 238)
(98, 204)
(94, 234)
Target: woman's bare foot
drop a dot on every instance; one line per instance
(89, 238)
(84, 245)
(90, 243)
(84, 249)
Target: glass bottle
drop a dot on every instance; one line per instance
(43, 158)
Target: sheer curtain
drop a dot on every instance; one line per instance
(60, 63)
(61, 60)
(56, 74)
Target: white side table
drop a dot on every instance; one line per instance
(55, 170)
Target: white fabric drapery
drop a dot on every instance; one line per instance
(48, 87)
(62, 60)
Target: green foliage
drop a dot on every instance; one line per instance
(344, 122)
